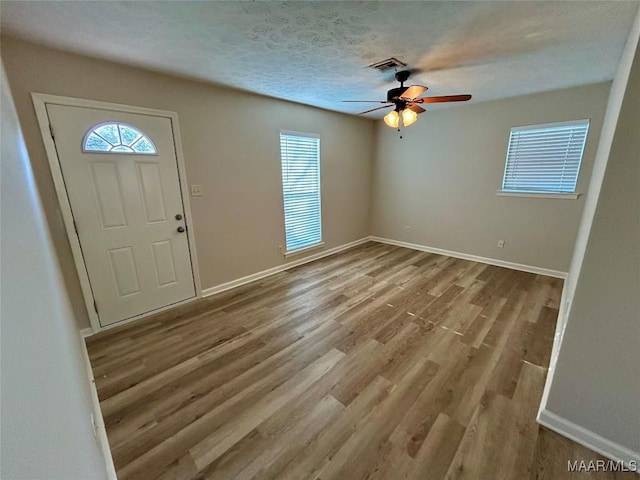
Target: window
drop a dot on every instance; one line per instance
(545, 158)
(117, 138)
(300, 154)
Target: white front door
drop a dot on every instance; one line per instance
(121, 177)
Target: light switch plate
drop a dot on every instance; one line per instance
(196, 190)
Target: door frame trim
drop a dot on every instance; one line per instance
(40, 100)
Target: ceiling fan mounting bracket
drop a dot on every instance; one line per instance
(402, 76)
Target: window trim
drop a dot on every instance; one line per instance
(290, 253)
(559, 196)
(544, 194)
(300, 251)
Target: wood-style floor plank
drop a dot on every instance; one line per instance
(377, 363)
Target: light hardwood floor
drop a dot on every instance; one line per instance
(377, 363)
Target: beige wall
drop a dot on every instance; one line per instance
(231, 148)
(595, 380)
(46, 402)
(441, 180)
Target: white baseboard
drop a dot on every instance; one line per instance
(589, 439)
(280, 268)
(86, 332)
(474, 258)
(98, 421)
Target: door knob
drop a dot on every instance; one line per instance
(181, 229)
(178, 217)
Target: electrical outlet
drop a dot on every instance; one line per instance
(280, 250)
(196, 190)
(500, 243)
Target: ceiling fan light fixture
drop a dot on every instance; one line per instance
(392, 119)
(407, 101)
(409, 117)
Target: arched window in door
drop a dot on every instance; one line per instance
(115, 137)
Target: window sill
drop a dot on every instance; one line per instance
(560, 196)
(300, 251)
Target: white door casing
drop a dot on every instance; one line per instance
(124, 206)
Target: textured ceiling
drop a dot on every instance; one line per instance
(317, 52)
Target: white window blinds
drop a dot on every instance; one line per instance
(300, 153)
(545, 158)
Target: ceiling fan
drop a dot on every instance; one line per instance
(406, 101)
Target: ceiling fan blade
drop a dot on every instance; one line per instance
(374, 109)
(365, 101)
(412, 92)
(416, 108)
(443, 99)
